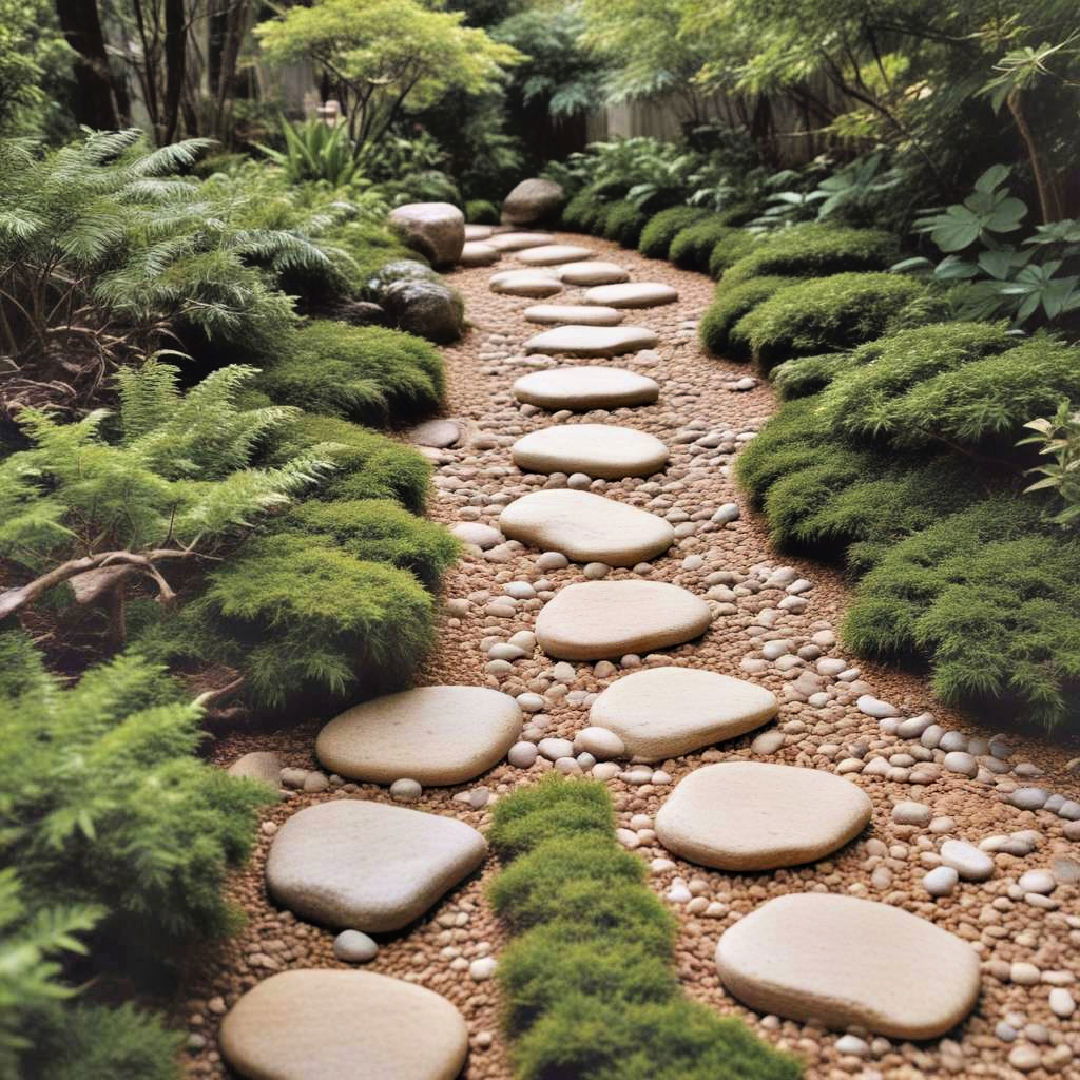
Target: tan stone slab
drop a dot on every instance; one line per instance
(572, 314)
(668, 711)
(437, 735)
(604, 620)
(606, 451)
(844, 962)
(596, 341)
(586, 387)
(638, 294)
(749, 815)
(368, 866)
(475, 253)
(520, 241)
(474, 233)
(525, 283)
(586, 527)
(319, 1024)
(554, 254)
(592, 273)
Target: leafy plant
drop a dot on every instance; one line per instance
(1058, 438)
(664, 226)
(987, 211)
(314, 150)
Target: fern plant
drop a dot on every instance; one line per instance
(314, 150)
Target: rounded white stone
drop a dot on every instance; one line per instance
(520, 241)
(572, 314)
(525, 283)
(592, 340)
(355, 947)
(553, 254)
(586, 387)
(967, 860)
(940, 881)
(606, 451)
(592, 273)
(639, 294)
(600, 742)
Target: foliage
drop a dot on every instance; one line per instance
(481, 212)
(583, 212)
(730, 304)
(692, 248)
(816, 250)
(727, 252)
(409, 167)
(314, 150)
(1058, 438)
(34, 64)
(664, 226)
(622, 223)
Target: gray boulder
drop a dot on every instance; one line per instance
(435, 229)
(429, 309)
(532, 202)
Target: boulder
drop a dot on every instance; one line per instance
(435, 229)
(533, 202)
(428, 309)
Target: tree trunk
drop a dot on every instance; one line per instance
(1050, 202)
(175, 61)
(94, 103)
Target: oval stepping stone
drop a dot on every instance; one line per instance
(367, 866)
(519, 241)
(553, 254)
(592, 340)
(602, 450)
(602, 620)
(638, 294)
(562, 314)
(311, 1022)
(436, 735)
(592, 273)
(585, 387)
(525, 283)
(477, 254)
(586, 527)
(747, 815)
(846, 962)
(665, 712)
(478, 232)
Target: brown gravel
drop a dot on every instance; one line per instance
(886, 864)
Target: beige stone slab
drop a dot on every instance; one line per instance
(844, 962)
(525, 283)
(521, 241)
(320, 1024)
(638, 294)
(749, 815)
(664, 712)
(605, 620)
(476, 233)
(606, 451)
(586, 387)
(570, 314)
(586, 527)
(475, 253)
(596, 341)
(592, 273)
(554, 254)
(437, 735)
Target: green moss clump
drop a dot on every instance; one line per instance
(622, 223)
(731, 303)
(808, 374)
(481, 212)
(817, 250)
(729, 250)
(693, 246)
(584, 212)
(662, 228)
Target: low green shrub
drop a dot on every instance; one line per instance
(730, 249)
(583, 212)
(662, 228)
(481, 212)
(622, 223)
(731, 303)
(693, 246)
(364, 373)
(808, 375)
(547, 811)
(817, 250)
(835, 312)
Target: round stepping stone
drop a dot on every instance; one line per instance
(474, 233)
(314, 1022)
(553, 254)
(585, 387)
(606, 451)
(592, 273)
(664, 712)
(592, 340)
(846, 962)
(519, 241)
(367, 866)
(603, 620)
(586, 527)
(639, 294)
(748, 815)
(525, 283)
(436, 735)
(475, 253)
(563, 314)
(436, 433)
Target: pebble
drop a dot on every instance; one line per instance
(941, 881)
(405, 790)
(355, 947)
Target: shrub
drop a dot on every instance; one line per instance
(622, 223)
(693, 246)
(481, 212)
(731, 303)
(363, 373)
(834, 312)
(808, 374)
(662, 228)
(730, 249)
(547, 811)
(583, 212)
(817, 250)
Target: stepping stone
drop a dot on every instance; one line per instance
(605, 620)
(553, 254)
(601, 450)
(519, 241)
(477, 254)
(585, 387)
(586, 527)
(315, 1022)
(639, 294)
(525, 283)
(262, 765)
(437, 735)
(664, 712)
(592, 340)
(475, 233)
(436, 433)
(592, 273)
(847, 962)
(747, 815)
(562, 314)
(358, 865)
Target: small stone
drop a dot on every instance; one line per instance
(483, 969)
(355, 947)
(406, 790)
(1061, 1002)
(957, 761)
(967, 860)
(941, 881)
(1037, 881)
(875, 707)
(522, 755)
(600, 742)
(911, 813)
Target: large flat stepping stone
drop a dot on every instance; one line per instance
(475, 233)
(606, 451)
(322, 1024)
(846, 962)
(584, 340)
(638, 294)
(553, 254)
(436, 735)
(475, 253)
(563, 314)
(586, 527)
(604, 620)
(592, 273)
(586, 387)
(748, 815)
(525, 283)
(367, 866)
(520, 241)
(664, 712)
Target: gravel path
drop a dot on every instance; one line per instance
(1028, 946)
